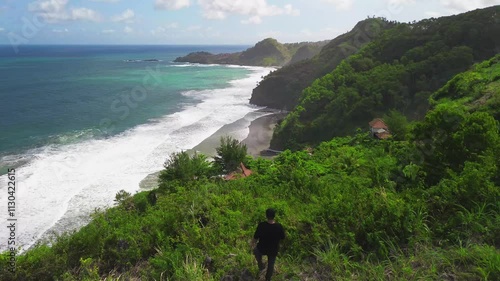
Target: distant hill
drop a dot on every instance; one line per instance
(399, 70)
(268, 52)
(282, 88)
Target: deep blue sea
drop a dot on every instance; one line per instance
(80, 123)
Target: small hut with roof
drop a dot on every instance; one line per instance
(378, 129)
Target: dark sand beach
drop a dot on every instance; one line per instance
(257, 140)
(261, 132)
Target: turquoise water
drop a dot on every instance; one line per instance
(80, 123)
(54, 94)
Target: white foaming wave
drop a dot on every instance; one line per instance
(253, 68)
(218, 107)
(66, 183)
(236, 92)
(195, 65)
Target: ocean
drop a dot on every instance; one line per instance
(80, 123)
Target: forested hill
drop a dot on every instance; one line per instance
(282, 88)
(397, 71)
(268, 52)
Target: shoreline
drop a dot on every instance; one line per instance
(258, 139)
(67, 181)
(260, 134)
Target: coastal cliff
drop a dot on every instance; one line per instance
(282, 88)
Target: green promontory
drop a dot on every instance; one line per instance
(268, 52)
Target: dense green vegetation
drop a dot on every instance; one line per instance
(423, 205)
(476, 89)
(354, 208)
(282, 88)
(268, 52)
(397, 71)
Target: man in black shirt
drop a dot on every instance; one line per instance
(269, 234)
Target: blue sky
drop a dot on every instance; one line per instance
(203, 21)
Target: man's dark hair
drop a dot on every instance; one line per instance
(270, 213)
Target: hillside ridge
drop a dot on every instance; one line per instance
(268, 52)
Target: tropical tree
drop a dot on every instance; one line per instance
(398, 124)
(230, 154)
(184, 168)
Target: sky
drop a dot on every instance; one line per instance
(204, 22)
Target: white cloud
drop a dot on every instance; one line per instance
(400, 2)
(194, 28)
(220, 9)
(290, 10)
(162, 30)
(172, 25)
(255, 10)
(60, 30)
(341, 5)
(305, 34)
(252, 20)
(127, 16)
(433, 14)
(463, 6)
(270, 34)
(327, 33)
(2, 29)
(107, 31)
(107, 1)
(56, 11)
(84, 14)
(128, 29)
(172, 4)
(50, 10)
(158, 31)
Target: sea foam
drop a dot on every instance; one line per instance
(61, 185)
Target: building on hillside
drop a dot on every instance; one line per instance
(379, 130)
(242, 172)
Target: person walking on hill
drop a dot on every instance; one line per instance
(268, 234)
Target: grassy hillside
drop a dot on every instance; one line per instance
(477, 89)
(282, 88)
(268, 52)
(397, 71)
(423, 208)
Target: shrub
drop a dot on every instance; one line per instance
(181, 167)
(230, 154)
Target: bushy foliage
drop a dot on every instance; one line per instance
(398, 124)
(230, 153)
(183, 168)
(347, 207)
